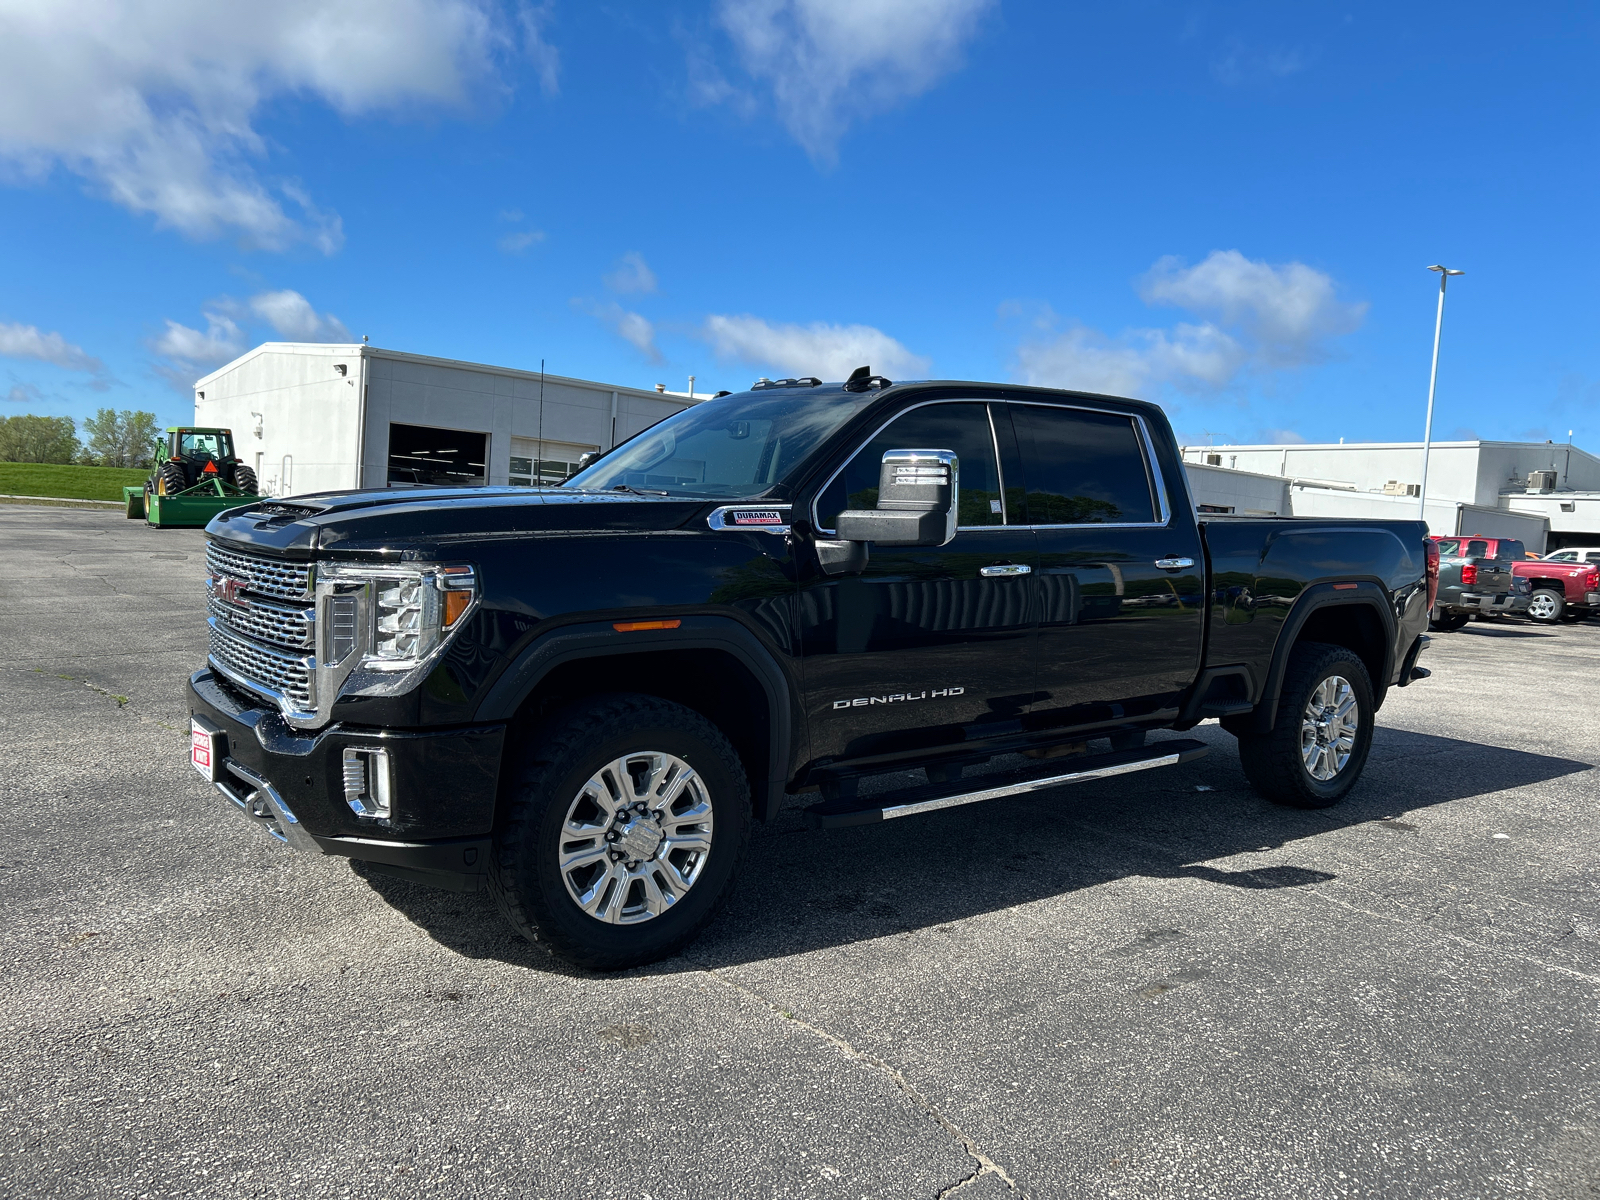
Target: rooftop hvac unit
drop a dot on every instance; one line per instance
(1541, 481)
(1395, 488)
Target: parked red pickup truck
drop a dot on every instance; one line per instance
(1560, 589)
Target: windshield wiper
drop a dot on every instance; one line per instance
(622, 487)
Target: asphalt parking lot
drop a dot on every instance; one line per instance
(1163, 988)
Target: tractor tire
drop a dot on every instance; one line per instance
(170, 479)
(245, 480)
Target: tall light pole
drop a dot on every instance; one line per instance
(1433, 380)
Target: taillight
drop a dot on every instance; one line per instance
(1469, 574)
(1430, 553)
(1592, 582)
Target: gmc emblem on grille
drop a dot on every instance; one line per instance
(227, 589)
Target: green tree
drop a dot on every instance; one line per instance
(120, 439)
(33, 439)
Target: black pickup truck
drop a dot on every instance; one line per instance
(581, 697)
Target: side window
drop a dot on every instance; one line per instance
(1593, 556)
(1565, 556)
(1083, 468)
(1507, 550)
(1449, 547)
(962, 427)
(1476, 549)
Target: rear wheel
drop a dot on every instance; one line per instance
(624, 825)
(1319, 743)
(1546, 606)
(245, 480)
(1449, 620)
(170, 478)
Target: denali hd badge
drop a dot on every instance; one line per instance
(897, 697)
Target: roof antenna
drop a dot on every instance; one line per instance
(862, 379)
(859, 375)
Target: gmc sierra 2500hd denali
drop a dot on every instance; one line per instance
(581, 697)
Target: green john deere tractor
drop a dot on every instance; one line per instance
(196, 476)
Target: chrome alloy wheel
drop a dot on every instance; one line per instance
(1542, 607)
(1328, 728)
(636, 837)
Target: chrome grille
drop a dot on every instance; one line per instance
(267, 672)
(266, 576)
(280, 624)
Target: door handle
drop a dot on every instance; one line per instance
(1005, 569)
(1174, 564)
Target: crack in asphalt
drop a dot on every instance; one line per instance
(986, 1165)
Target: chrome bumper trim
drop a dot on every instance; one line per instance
(263, 805)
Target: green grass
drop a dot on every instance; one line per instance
(68, 482)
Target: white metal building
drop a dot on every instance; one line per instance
(314, 417)
(1547, 494)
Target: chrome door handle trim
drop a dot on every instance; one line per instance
(1005, 569)
(1174, 564)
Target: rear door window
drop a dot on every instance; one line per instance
(1449, 547)
(1082, 467)
(1509, 551)
(1476, 549)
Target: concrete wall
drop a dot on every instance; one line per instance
(1466, 472)
(1246, 493)
(1444, 517)
(311, 416)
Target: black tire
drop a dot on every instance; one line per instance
(561, 756)
(1274, 762)
(170, 478)
(1449, 620)
(244, 479)
(1546, 606)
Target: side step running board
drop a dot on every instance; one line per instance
(837, 814)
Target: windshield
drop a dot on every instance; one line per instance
(730, 447)
(206, 445)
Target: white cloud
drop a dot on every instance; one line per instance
(1257, 316)
(154, 101)
(633, 274)
(819, 349)
(1279, 437)
(222, 340)
(1239, 63)
(1289, 310)
(630, 326)
(24, 393)
(545, 58)
(291, 314)
(518, 243)
(829, 62)
(27, 341)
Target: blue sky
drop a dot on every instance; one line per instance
(1224, 207)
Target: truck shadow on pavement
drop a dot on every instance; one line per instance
(804, 890)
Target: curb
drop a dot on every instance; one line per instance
(64, 500)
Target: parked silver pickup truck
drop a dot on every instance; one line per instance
(1475, 577)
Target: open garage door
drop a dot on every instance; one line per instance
(421, 456)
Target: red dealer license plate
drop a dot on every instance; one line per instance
(208, 746)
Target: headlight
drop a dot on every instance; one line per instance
(381, 626)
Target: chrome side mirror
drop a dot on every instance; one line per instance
(918, 494)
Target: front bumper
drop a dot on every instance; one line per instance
(1495, 603)
(292, 785)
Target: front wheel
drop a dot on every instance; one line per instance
(622, 830)
(1323, 732)
(1546, 606)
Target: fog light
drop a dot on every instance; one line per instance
(366, 782)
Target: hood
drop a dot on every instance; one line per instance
(397, 522)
